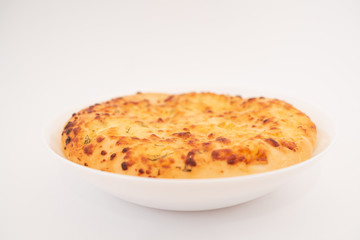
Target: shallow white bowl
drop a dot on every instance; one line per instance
(196, 194)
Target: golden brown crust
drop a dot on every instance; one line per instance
(193, 135)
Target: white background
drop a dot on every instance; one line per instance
(58, 54)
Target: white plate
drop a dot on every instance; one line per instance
(194, 194)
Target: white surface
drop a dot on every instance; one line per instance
(54, 54)
(194, 194)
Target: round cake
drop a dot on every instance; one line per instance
(191, 135)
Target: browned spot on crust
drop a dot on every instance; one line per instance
(193, 142)
(68, 140)
(154, 136)
(261, 156)
(289, 145)
(169, 98)
(287, 106)
(122, 141)
(124, 166)
(266, 120)
(243, 154)
(76, 130)
(211, 135)
(169, 140)
(191, 162)
(145, 140)
(182, 134)
(88, 149)
(191, 154)
(125, 150)
(272, 142)
(69, 125)
(221, 154)
(228, 155)
(190, 159)
(233, 159)
(207, 145)
(128, 155)
(303, 129)
(99, 139)
(223, 140)
(131, 103)
(103, 152)
(160, 120)
(112, 156)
